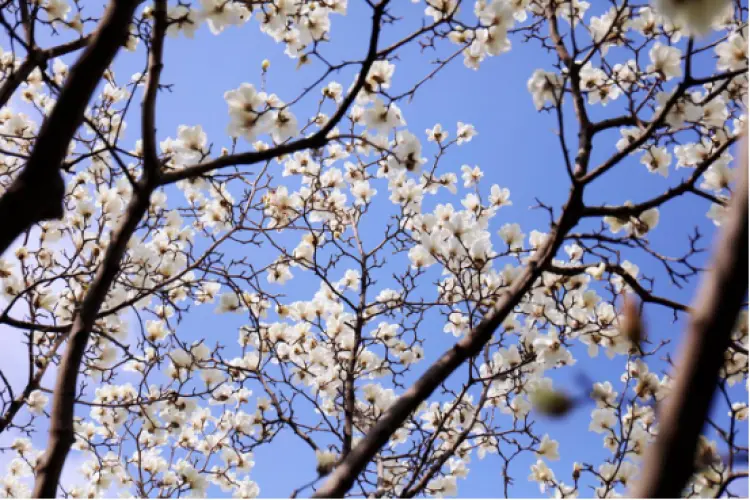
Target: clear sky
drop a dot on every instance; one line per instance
(516, 147)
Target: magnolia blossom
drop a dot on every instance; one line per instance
(511, 234)
(383, 118)
(665, 61)
(464, 133)
(657, 160)
(733, 52)
(544, 87)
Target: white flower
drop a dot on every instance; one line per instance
(380, 75)
(597, 272)
(718, 176)
(220, 14)
(537, 239)
(696, 15)
(407, 153)
(436, 134)
(279, 273)
(470, 175)
(156, 330)
(443, 486)
(716, 213)
(629, 136)
(246, 489)
(657, 160)
(665, 60)
(739, 410)
(544, 87)
(548, 448)
(637, 225)
(207, 292)
(715, 112)
(362, 192)
(732, 53)
(333, 91)
(37, 400)
(500, 197)
(440, 9)
(326, 461)
(57, 10)
(182, 19)
(229, 302)
(602, 419)
(382, 118)
(604, 394)
(247, 111)
(420, 257)
(512, 236)
(465, 132)
(284, 125)
(542, 475)
(212, 376)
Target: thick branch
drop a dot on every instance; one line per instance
(155, 65)
(61, 428)
(37, 193)
(61, 435)
(670, 460)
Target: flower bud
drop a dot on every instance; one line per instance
(551, 403)
(631, 323)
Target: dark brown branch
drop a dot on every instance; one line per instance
(644, 294)
(729, 480)
(670, 460)
(155, 66)
(37, 193)
(685, 186)
(61, 433)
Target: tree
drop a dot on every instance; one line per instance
(123, 243)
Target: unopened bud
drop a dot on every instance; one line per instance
(265, 65)
(326, 462)
(551, 403)
(302, 61)
(631, 323)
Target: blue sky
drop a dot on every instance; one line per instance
(516, 147)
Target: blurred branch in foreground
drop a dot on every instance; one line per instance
(670, 460)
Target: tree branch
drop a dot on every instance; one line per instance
(37, 193)
(61, 422)
(670, 460)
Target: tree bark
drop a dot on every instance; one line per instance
(37, 193)
(61, 433)
(670, 460)
(61, 436)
